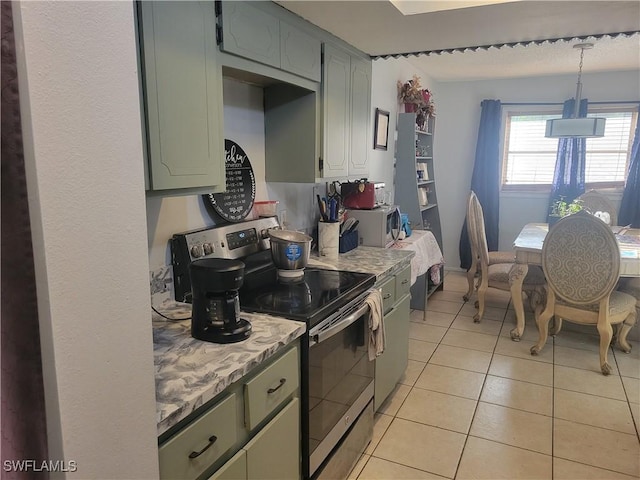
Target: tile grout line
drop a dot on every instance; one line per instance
(553, 363)
(475, 410)
(553, 405)
(626, 394)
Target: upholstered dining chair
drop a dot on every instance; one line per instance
(632, 287)
(581, 262)
(593, 201)
(495, 257)
(497, 275)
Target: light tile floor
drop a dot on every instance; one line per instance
(473, 404)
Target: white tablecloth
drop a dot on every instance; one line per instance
(428, 253)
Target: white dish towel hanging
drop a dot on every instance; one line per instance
(376, 324)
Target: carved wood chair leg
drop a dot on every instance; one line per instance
(481, 292)
(543, 329)
(623, 331)
(471, 275)
(556, 327)
(606, 332)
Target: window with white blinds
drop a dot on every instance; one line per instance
(530, 158)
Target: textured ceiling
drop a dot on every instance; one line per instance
(378, 28)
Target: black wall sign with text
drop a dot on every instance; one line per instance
(236, 203)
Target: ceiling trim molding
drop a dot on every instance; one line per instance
(498, 46)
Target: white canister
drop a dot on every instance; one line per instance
(328, 238)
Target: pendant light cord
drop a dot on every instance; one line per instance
(576, 107)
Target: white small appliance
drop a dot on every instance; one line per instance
(378, 227)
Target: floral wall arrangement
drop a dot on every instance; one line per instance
(416, 99)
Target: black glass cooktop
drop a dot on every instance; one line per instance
(309, 298)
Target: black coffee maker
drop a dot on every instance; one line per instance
(215, 312)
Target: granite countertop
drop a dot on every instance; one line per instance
(378, 261)
(190, 372)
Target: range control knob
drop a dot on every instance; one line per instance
(196, 251)
(264, 233)
(207, 248)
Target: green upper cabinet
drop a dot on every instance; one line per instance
(300, 53)
(346, 92)
(336, 80)
(360, 115)
(182, 86)
(249, 31)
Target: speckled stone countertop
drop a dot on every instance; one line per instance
(190, 372)
(378, 261)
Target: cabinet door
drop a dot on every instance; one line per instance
(251, 33)
(183, 90)
(336, 79)
(274, 453)
(360, 114)
(391, 365)
(388, 290)
(299, 52)
(270, 388)
(234, 469)
(403, 282)
(195, 448)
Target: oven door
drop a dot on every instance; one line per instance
(340, 380)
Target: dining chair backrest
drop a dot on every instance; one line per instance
(593, 201)
(471, 224)
(581, 259)
(480, 233)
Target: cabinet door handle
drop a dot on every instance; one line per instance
(387, 296)
(282, 382)
(405, 281)
(212, 440)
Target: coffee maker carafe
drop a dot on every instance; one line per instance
(215, 312)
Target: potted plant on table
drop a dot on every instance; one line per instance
(561, 208)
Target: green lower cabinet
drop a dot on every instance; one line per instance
(234, 469)
(194, 449)
(274, 453)
(391, 365)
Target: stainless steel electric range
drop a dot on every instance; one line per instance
(336, 376)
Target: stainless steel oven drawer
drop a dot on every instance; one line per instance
(351, 448)
(266, 391)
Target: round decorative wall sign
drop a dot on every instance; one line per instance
(236, 203)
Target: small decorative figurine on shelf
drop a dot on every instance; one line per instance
(417, 100)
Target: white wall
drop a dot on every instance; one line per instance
(83, 153)
(384, 95)
(458, 115)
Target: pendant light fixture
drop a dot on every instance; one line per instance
(586, 127)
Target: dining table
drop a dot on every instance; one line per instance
(528, 251)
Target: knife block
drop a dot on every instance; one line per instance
(348, 241)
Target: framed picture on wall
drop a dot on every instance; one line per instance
(381, 132)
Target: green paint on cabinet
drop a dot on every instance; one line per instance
(390, 366)
(274, 453)
(346, 84)
(183, 95)
(234, 469)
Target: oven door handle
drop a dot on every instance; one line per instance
(322, 335)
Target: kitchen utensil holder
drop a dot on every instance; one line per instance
(328, 239)
(348, 241)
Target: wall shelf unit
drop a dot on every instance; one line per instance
(415, 191)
